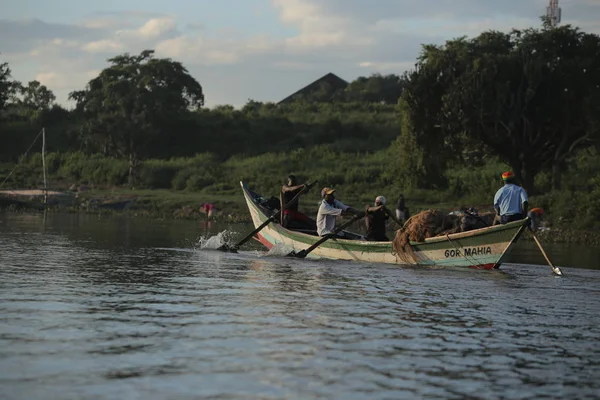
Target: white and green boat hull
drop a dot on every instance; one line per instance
(484, 248)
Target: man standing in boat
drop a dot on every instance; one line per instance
(329, 209)
(511, 201)
(292, 218)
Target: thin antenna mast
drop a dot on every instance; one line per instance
(553, 13)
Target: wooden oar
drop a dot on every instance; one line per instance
(234, 248)
(556, 270)
(305, 252)
(391, 215)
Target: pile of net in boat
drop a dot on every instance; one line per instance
(431, 223)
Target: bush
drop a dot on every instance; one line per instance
(158, 174)
(199, 180)
(181, 177)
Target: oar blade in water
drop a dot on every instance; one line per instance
(225, 247)
(557, 271)
(301, 254)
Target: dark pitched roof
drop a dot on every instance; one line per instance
(335, 81)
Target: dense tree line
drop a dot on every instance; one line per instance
(141, 107)
(529, 98)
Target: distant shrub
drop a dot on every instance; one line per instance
(198, 180)
(158, 174)
(94, 168)
(181, 177)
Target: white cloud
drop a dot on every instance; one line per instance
(57, 80)
(152, 29)
(198, 49)
(101, 23)
(103, 46)
(317, 28)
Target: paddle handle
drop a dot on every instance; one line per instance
(293, 200)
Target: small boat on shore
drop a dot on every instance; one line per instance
(485, 248)
(35, 199)
(118, 205)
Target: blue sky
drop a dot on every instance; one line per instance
(250, 49)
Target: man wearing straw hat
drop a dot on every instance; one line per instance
(510, 202)
(329, 209)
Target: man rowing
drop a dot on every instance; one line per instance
(329, 209)
(292, 218)
(377, 217)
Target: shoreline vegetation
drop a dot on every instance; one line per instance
(440, 134)
(163, 204)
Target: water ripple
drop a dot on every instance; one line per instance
(86, 318)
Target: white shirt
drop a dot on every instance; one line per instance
(326, 216)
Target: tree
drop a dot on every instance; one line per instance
(531, 97)
(30, 101)
(36, 96)
(425, 146)
(133, 101)
(7, 86)
(375, 89)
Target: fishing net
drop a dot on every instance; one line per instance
(431, 223)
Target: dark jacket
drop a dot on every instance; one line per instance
(376, 226)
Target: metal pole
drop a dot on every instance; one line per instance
(44, 165)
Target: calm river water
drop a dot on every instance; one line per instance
(117, 308)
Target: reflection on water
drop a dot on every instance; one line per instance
(120, 308)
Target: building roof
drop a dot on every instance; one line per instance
(335, 81)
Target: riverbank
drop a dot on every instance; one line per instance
(155, 204)
(186, 205)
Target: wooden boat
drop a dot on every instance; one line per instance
(485, 248)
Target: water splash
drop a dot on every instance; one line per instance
(214, 242)
(279, 249)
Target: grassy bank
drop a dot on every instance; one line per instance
(175, 188)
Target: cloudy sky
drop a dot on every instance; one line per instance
(250, 49)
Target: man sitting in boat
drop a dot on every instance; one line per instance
(329, 209)
(292, 218)
(511, 201)
(377, 217)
